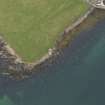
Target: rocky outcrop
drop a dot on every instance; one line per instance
(9, 62)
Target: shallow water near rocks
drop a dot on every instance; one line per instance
(77, 78)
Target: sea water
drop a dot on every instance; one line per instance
(76, 78)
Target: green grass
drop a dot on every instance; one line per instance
(31, 27)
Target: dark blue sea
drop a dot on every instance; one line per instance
(76, 78)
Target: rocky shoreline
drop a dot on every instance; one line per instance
(12, 66)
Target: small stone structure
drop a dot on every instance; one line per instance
(97, 3)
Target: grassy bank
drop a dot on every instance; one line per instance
(31, 27)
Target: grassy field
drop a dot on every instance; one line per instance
(31, 27)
